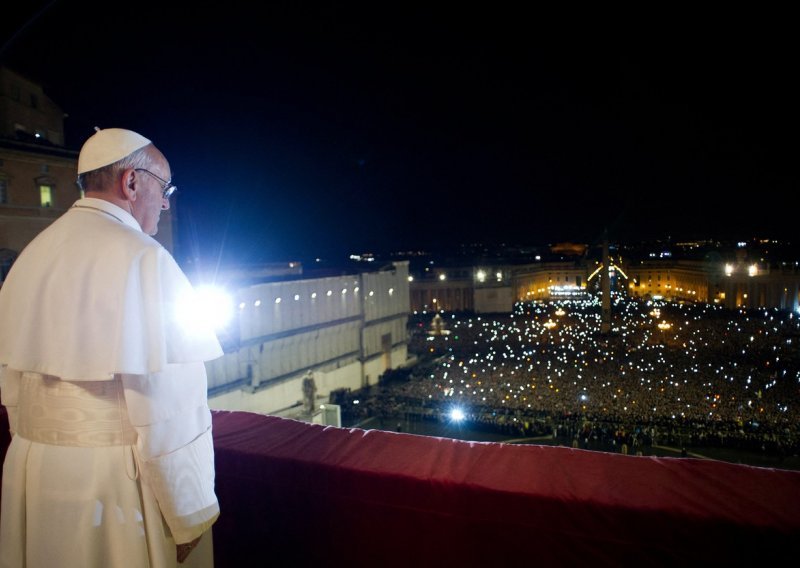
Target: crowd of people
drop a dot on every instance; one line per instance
(666, 373)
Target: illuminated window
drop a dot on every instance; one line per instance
(46, 194)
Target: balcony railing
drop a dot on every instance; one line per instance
(299, 494)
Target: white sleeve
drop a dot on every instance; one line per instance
(9, 394)
(175, 451)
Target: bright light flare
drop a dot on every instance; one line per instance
(207, 307)
(457, 415)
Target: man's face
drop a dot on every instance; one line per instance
(149, 199)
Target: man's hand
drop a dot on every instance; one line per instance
(185, 548)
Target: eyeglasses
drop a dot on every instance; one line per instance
(169, 187)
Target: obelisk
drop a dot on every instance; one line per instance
(605, 290)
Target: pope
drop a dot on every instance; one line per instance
(111, 461)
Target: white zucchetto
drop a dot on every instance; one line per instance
(107, 146)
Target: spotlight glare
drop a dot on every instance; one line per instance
(208, 306)
(457, 415)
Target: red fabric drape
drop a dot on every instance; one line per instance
(291, 490)
(304, 494)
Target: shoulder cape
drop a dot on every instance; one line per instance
(92, 296)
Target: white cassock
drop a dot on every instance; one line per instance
(112, 460)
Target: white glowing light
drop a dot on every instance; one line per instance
(206, 306)
(457, 415)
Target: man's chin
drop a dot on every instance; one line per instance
(153, 232)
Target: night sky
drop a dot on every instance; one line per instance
(297, 130)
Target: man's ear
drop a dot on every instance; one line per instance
(127, 184)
